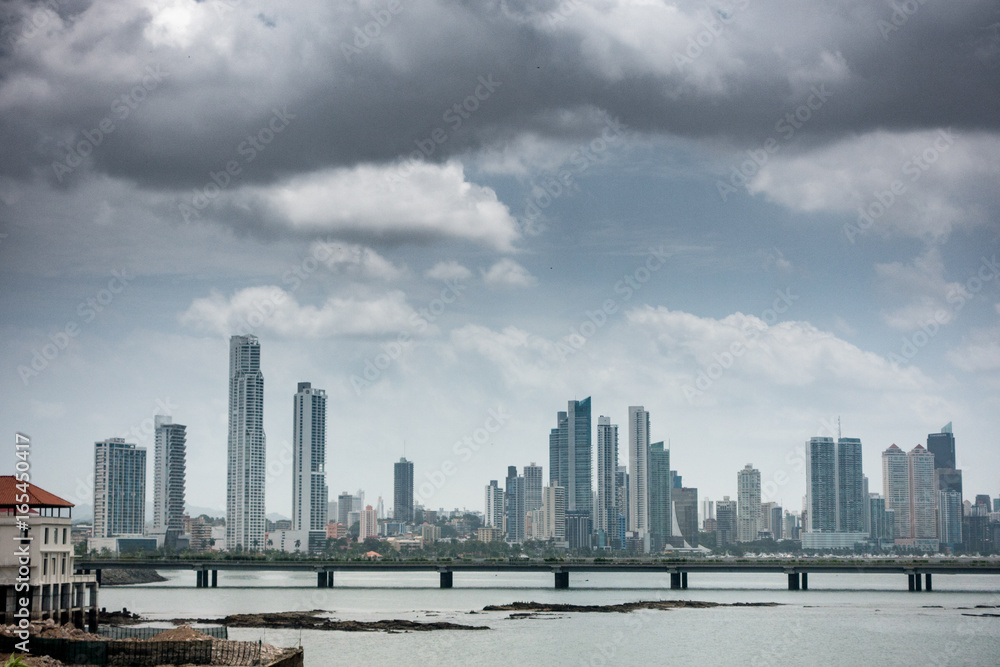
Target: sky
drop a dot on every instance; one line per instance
(753, 219)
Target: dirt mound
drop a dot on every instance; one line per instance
(51, 629)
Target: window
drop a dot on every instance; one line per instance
(46, 541)
(64, 536)
(45, 567)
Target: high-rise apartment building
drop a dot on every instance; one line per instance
(554, 513)
(948, 482)
(622, 493)
(725, 521)
(659, 490)
(923, 494)
(514, 499)
(570, 456)
(402, 496)
(119, 488)
(638, 462)
(345, 505)
(168, 477)
(532, 487)
(606, 516)
(309, 491)
(748, 497)
(836, 500)
(368, 524)
(910, 489)
(493, 516)
(883, 522)
(247, 464)
(949, 518)
(896, 489)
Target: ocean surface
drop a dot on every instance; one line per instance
(843, 619)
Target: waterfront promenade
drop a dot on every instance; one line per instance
(918, 571)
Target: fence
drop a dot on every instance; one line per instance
(126, 632)
(129, 652)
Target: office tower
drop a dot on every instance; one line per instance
(579, 530)
(942, 446)
(333, 511)
(358, 501)
(368, 524)
(119, 488)
(493, 516)
(554, 511)
(622, 493)
(247, 447)
(923, 495)
(983, 500)
(532, 487)
(606, 516)
(345, 505)
(949, 518)
(896, 489)
(168, 477)
(791, 526)
(777, 526)
(765, 517)
(725, 521)
(570, 455)
(638, 462)
(821, 485)
(748, 496)
(685, 502)
(836, 501)
(883, 526)
(309, 492)
(380, 509)
(514, 499)
(402, 497)
(659, 491)
(707, 511)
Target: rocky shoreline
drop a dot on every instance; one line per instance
(129, 577)
(624, 608)
(311, 620)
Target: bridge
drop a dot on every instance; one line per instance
(919, 572)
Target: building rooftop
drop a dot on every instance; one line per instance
(37, 497)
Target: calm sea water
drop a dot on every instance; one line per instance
(841, 620)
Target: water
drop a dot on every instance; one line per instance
(843, 619)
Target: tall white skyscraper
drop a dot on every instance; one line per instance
(638, 463)
(119, 488)
(896, 488)
(493, 515)
(309, 492)
(923, 494)
(554, 512)
(247, 464)
(748, 504)
(606, 515)
(168, 476)
(532, 487)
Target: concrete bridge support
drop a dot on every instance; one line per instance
(675, 580)
(446, 578)
(793, 581)
(928, 575)
(805, 581)
(562, 579)
(321, 580)
(684, 580)
(911, 586)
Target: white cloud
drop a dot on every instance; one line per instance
(354, 260)
(448, 270)
(921, 183)
(980, 352)
(508, 273)
(921, 287)
(407, 200)
(272, 309)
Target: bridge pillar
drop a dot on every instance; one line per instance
(675, 580)
(919, 581)
(912, 586)
(793, 581)
(805, 581)
(562, 579)
(98, 574)
(446, 578)
(321, 580)
(684, 579)
(215, 578)
(329, 579)
(928, 575)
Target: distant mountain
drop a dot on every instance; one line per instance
(196, 510)
(274, 516)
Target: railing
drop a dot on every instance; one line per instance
(131, 652)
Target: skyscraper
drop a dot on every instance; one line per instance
(725, 521)
(748, 497)
(659, 490)
(948, 482)
(685, 502)
(402, 497)
(532, 487)
(638, 462)
(607, 467)
(514, 499)
(622, 493)
(494, 505)
(836, 501)
(119, 488)
(247, 447)
(168, 477)
(923, 495)
(942, 446)
(369, 524)
(896, 489)
(309, 492)
(345, 505)
(554, 512)
(570, 455)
